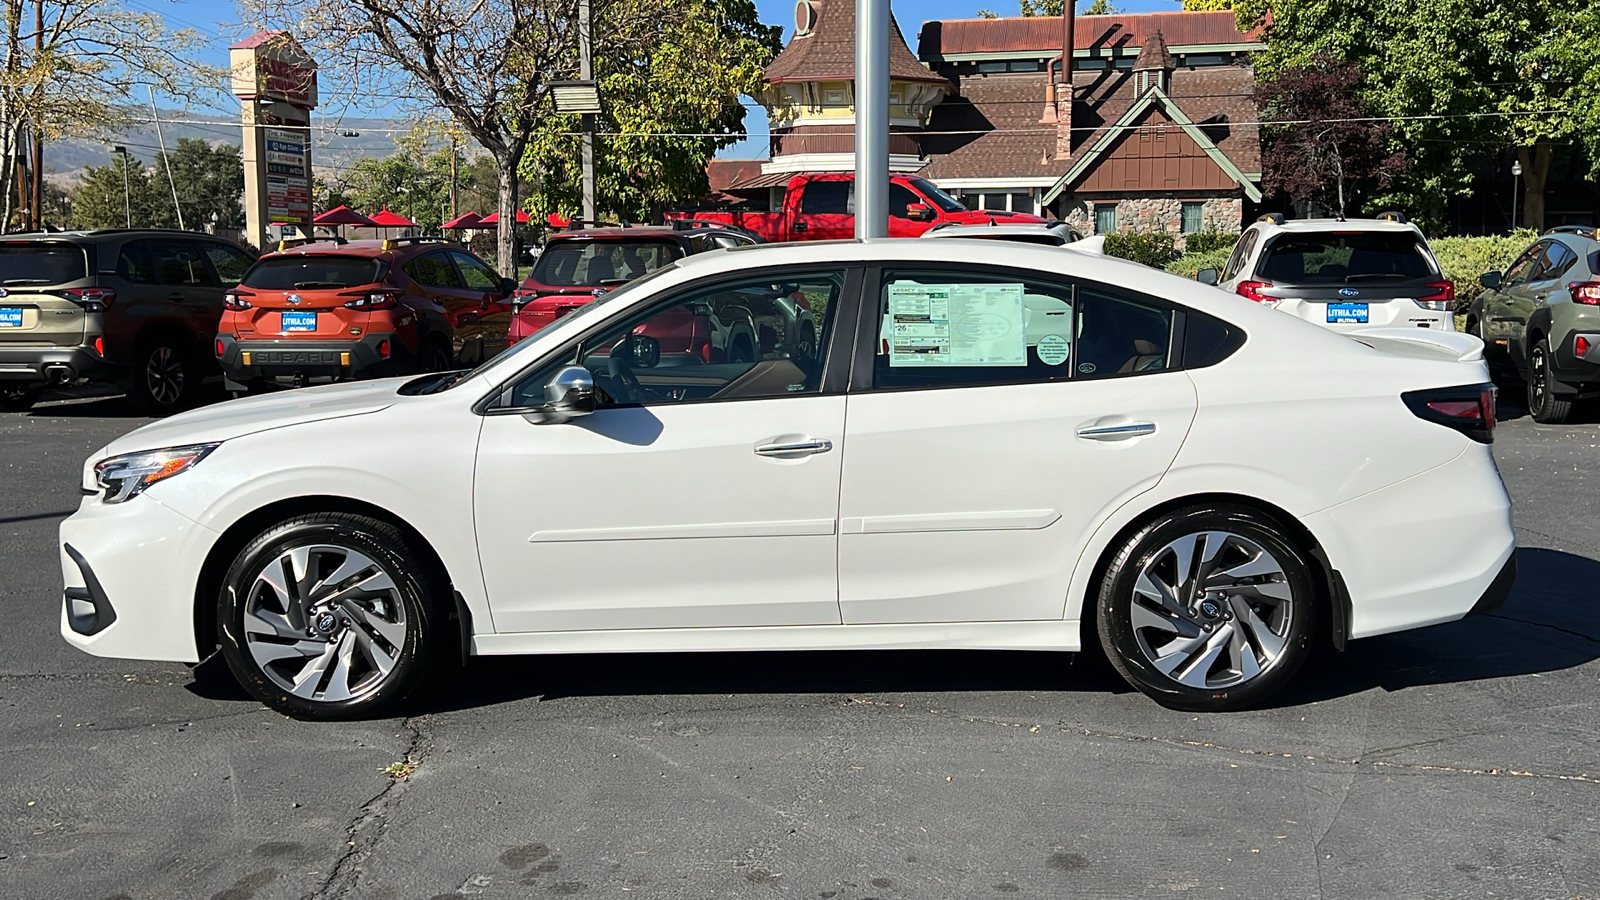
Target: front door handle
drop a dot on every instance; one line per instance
(799, 226)
(794, 448)
(1119, 432)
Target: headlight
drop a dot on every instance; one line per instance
(125, 477)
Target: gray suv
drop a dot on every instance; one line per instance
(1540, 318)
(135, 307)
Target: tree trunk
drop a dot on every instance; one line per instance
(506, 228)
(1535, 162)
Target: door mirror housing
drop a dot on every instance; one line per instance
(919, 212)
(1206, 276)
(569, 394)
(1490, 280)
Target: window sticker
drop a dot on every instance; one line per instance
(1053, 349)
(956, 325)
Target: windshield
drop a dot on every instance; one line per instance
(601, 305)
(588, 262)
(292, 273)
(41, 262)
(937, 195)
(1344, 258)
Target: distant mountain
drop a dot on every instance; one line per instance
(67, 158)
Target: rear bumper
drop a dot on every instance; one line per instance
(1408, 315)
(1577, 375)
(255, 360)
(34, 365)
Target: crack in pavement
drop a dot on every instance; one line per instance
(365, 830)
(1577, 634)
(1353, 761)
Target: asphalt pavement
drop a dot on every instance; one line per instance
(1459, 761)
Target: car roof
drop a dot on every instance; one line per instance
(109, 232)
(1303, 226)
(977, 229)
(621, 232)
(373, 249)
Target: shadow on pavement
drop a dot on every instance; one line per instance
(1548, 624)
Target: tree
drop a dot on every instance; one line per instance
(210, 184)
(1331, 148)
(68, 66)
(1574, 50)
(667, 106)
(98, 201)
(1206, 5)
(1057, 7)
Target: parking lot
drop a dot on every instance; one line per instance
(1454, 761)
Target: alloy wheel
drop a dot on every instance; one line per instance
(324, 623)
(1537, 384)
(1212, 610)
(164, 376)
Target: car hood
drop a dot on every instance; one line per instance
(985, 216)
(237, 418)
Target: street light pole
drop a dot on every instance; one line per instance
(1516, 176)
(586, 73)
(872, 118)
(127, 201)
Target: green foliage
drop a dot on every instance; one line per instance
(1153, 248)
(988, 14)
(1207, 241)
(1055, 8)
(1463, 259)
(210, 184)
(1574, 50)
(669, 104)
(1206, 5)
(98, 201)
(1193, 261)
(406, 182)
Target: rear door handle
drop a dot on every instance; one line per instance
(794, 448)
(1118, 432)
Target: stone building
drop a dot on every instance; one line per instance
(1155, 132)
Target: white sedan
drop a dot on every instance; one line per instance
(1207, 488)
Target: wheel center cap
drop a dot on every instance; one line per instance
(325, 622)
(1209, 609)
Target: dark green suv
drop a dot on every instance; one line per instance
(135, 307)
(1540, 319)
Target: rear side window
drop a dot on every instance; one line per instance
(590, 262)
(478, 276)
(1334, 258)
(291, 273)
(230, 262)
(827, 198)
(24, 263)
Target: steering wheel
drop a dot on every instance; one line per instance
(627, 388)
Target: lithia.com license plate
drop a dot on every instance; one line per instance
(299, 321)
(1347, 313)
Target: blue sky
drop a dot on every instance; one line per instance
(218, 20)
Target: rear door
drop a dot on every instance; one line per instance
(826, 211)
(186, 294)
(439, 281)
(32, 312)
(1531, 294)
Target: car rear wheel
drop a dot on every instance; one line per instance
(163, 378)
(1543, 404)
(18, 399)
(1208, 608)
(436, 358)
(330, 616)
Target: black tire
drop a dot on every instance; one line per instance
(18, 399)
(164, 377)
(1277, 640)
(436, 357)
(408, 596)
(1543, 404)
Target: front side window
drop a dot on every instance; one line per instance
(938, 195)
(1524, 265)
(901, 197)
(752, 338)
(433, 270)
(939, 329)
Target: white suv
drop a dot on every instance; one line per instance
(1343, 274)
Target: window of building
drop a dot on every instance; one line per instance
(1125, 62)
(1105, 218)
(1027, 65)
(833, 98)
(985, 68)
(1090, 65)
(1196, 60)
(1193, 217)
(1021, 202)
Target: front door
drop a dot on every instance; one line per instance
(703, 492)
(1006, 414)
(480, 314)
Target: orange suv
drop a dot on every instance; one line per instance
(337, 310)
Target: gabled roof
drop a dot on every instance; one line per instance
(827, 52)
(1154, 97)
(1042, 34)
(1153, 55)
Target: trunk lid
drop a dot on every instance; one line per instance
(34, 309)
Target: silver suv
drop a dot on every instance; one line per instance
(1341, 274)
(134, 307)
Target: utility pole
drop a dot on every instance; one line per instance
(166, 160)
(872, 118)
(127, 201)
(455, 207)
(586, 73)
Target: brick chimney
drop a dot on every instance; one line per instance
(1063, 83)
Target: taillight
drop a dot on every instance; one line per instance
(91, 299)
(375, 300)
(1443, 296)
(99, 346)
(1586, 292)
(522, 297)
(234, 302)
(1468, 409)
(1251, 290)
(220, 348)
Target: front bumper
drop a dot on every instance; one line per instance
(244, 361)
(132, 596)
(29, 364)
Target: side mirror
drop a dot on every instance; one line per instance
(919, 212)
(507, 285)
(1490, 280)
(1206, 276)
(568, 395)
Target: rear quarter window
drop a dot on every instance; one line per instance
(41, 263)
(1345, 257)
(289, 273)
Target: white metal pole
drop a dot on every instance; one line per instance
(585, 73)
(166, 160)
(872, 118)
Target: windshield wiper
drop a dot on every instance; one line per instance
(1365, 275)
(307, 285)
(13, 282)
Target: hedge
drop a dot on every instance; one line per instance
(1463, 259)
(1207, 241)
(1189, 264)
(1153, 248)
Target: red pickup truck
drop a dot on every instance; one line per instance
(821, 207)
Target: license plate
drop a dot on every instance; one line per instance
(10, 317)
(1347, 313)
(307, 321)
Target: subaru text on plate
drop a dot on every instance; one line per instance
(1039, 449)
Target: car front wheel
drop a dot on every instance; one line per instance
(1208, 608)
(330, 616)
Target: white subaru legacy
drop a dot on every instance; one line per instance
(989, 445)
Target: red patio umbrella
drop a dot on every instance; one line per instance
(386, 220)
(494, 218)
(340, 216)
(467, 220)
